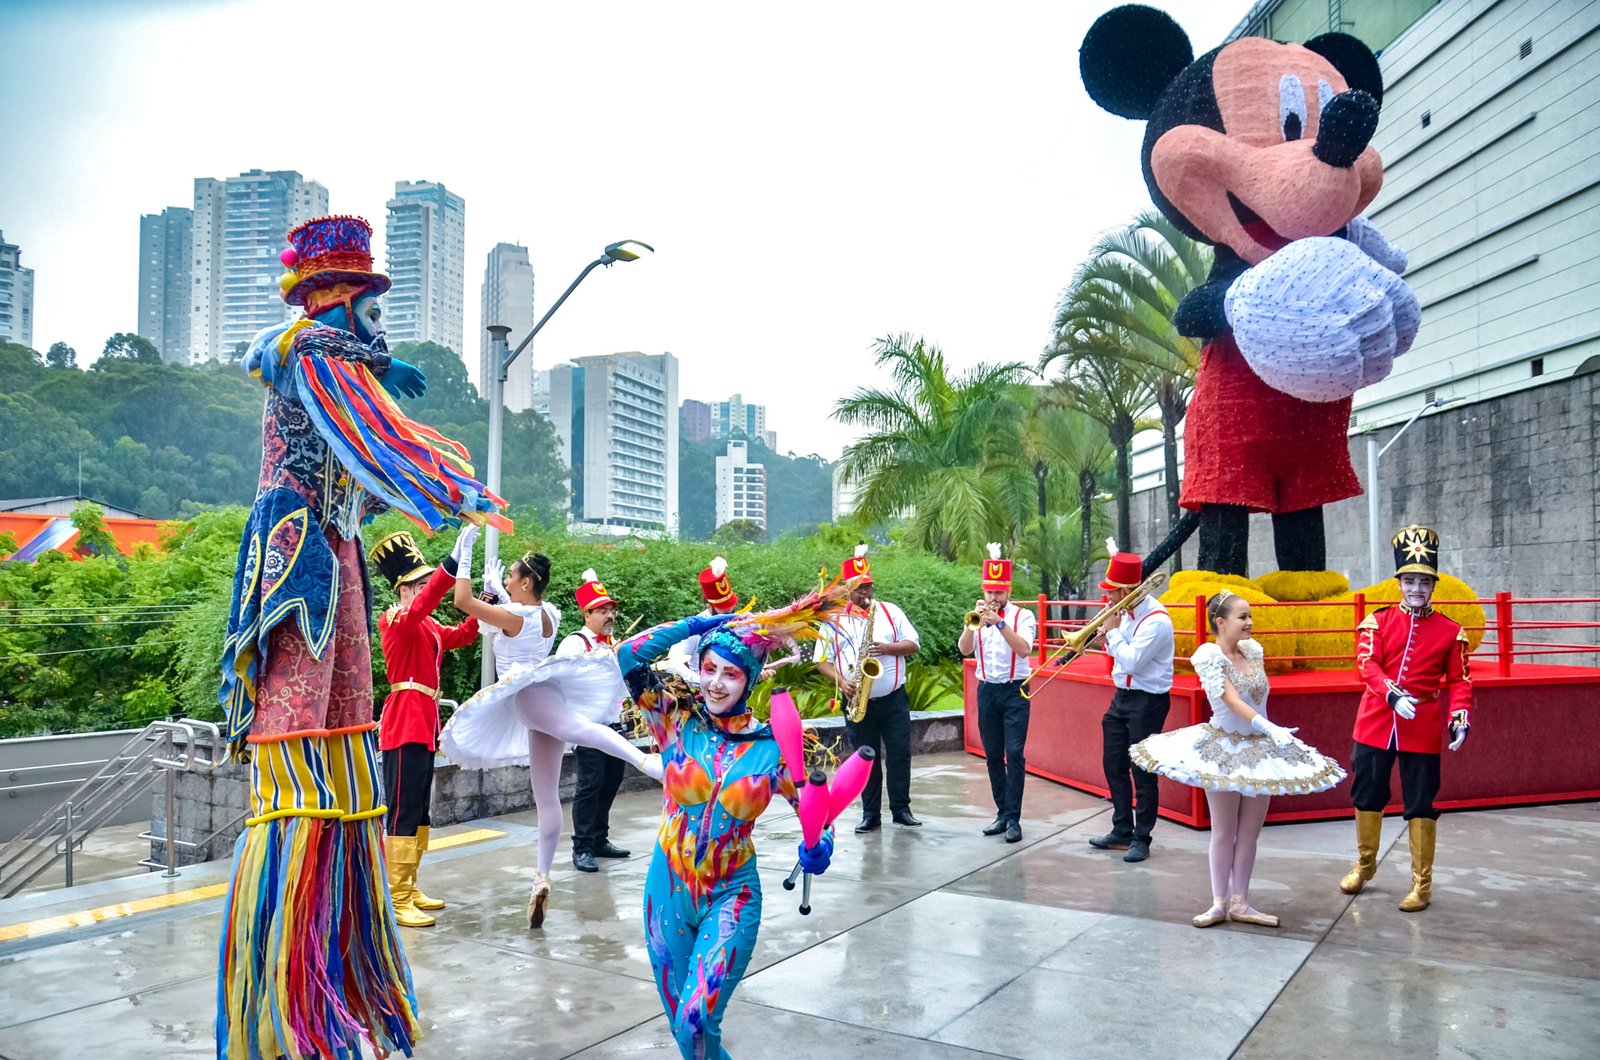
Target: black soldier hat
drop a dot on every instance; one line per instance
(1416, 551)
(399, 560)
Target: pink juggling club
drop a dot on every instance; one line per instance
(786, 728)
(848, 780)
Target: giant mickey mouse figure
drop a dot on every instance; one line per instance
(1260, 149)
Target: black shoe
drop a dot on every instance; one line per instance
(1111, 841)
(1138, 850)
(583, 861)
(904, 817)
(1013, 832)
(869, 824)
(997, 827)
(607, 849)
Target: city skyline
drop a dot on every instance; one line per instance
(817, 212)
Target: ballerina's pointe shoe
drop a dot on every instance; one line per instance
(1239, 912)
(1215, 915)
(539, 900)
(652, 767)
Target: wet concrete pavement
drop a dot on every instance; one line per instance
(928, 942)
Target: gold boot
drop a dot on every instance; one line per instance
(1423, 831)
(1369, 829)
(403, 853)
(418, 899)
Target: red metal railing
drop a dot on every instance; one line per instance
(1500, 631)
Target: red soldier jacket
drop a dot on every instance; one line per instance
(1423, 653)
(413, 648)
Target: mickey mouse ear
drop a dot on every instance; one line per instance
(1129, 56)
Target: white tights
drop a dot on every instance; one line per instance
(1236, 822)
(551, 726)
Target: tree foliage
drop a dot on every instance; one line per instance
(799, 488)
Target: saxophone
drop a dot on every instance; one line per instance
(868, 669)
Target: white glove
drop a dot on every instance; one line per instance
(1280, 736)
(494, 581)
(1406, 707)
(1320, 319)
(1461, 738)
(462, 553)
(1459, 727)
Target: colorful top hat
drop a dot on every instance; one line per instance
(592, 593)
(399, 560)
(715, 586)
(1416, 551)
(996, 571)
(857, 566)
(327, 251)
(1124, 571)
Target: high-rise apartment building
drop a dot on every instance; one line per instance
(166, 270)
(741, 487)
(239, 229)
(426, 241)
(733, 418)
(16, 295)
(508, 300)
(616, 416)
(694, 420)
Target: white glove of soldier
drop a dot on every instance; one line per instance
(1280, 736)
(494, 574)
(1458, 727)
(462, 552)
(1320, 319)
(1405, 706)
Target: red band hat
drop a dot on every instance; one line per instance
(715, 586)
(1124, 571)
(857, 566)
(996, 572)
(592, 592)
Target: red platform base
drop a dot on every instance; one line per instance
(1535, 737)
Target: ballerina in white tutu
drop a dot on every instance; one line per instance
(539, 704)
(1239, 757)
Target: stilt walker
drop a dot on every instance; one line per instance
(1413, 662)
(310, 962)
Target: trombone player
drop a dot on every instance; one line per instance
(1001, 636)
(1141, 649)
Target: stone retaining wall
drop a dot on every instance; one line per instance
(210, 806)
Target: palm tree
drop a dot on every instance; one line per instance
(941, 448)
(1108, 389)
(1069, 453)
(1127, 292)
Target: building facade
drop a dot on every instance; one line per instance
(694, 420)
(735, 418)
(239, 228)
(508, 299)
(741, 487)
(166, 271)
(16, 295)
(615, 415)
(425, 240)
(844, 494)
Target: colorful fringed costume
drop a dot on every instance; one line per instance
(310, 961)
(702, 898)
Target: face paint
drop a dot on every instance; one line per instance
(369, 319)
(722, 683)
(1416, 590)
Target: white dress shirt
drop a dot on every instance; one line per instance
(996, 661)
(1141, 648)
(842, 641)
(583, 642)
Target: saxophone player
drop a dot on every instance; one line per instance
(1002, 639)
(875, 629)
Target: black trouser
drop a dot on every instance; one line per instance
(1133, 716)
(599, 777)
(1003, 727)
(1369, 779)
(407, 787)
(887, 730)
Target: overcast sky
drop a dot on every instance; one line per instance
(812, 176)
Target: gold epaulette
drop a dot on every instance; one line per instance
(1370, 622)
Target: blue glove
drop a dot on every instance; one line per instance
(405, 380)
(702, 624)
(815, 859)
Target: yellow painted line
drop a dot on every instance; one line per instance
(67, 921)
(461, 839)
(87, 917)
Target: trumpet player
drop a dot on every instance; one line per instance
(1001, 637)
(1141, 649)
(875, 629)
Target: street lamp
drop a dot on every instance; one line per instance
(1374, 454)
(499, 336)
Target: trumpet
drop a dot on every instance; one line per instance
(1077, 642)
(974, 620)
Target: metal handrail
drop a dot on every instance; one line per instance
(61, 831)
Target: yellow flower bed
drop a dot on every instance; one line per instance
(1302, 585)
(1339, 622)
(1180, 601)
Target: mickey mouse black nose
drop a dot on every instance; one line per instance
(1345, 128)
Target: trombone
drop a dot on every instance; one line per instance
(1077, 642)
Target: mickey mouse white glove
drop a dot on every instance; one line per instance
(1320, 319)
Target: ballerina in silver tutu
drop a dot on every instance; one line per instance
(1239, 757)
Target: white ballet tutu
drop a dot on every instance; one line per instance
(490, 729)
(1205, 756)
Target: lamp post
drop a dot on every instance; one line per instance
(1374, 454)
(499, 341)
